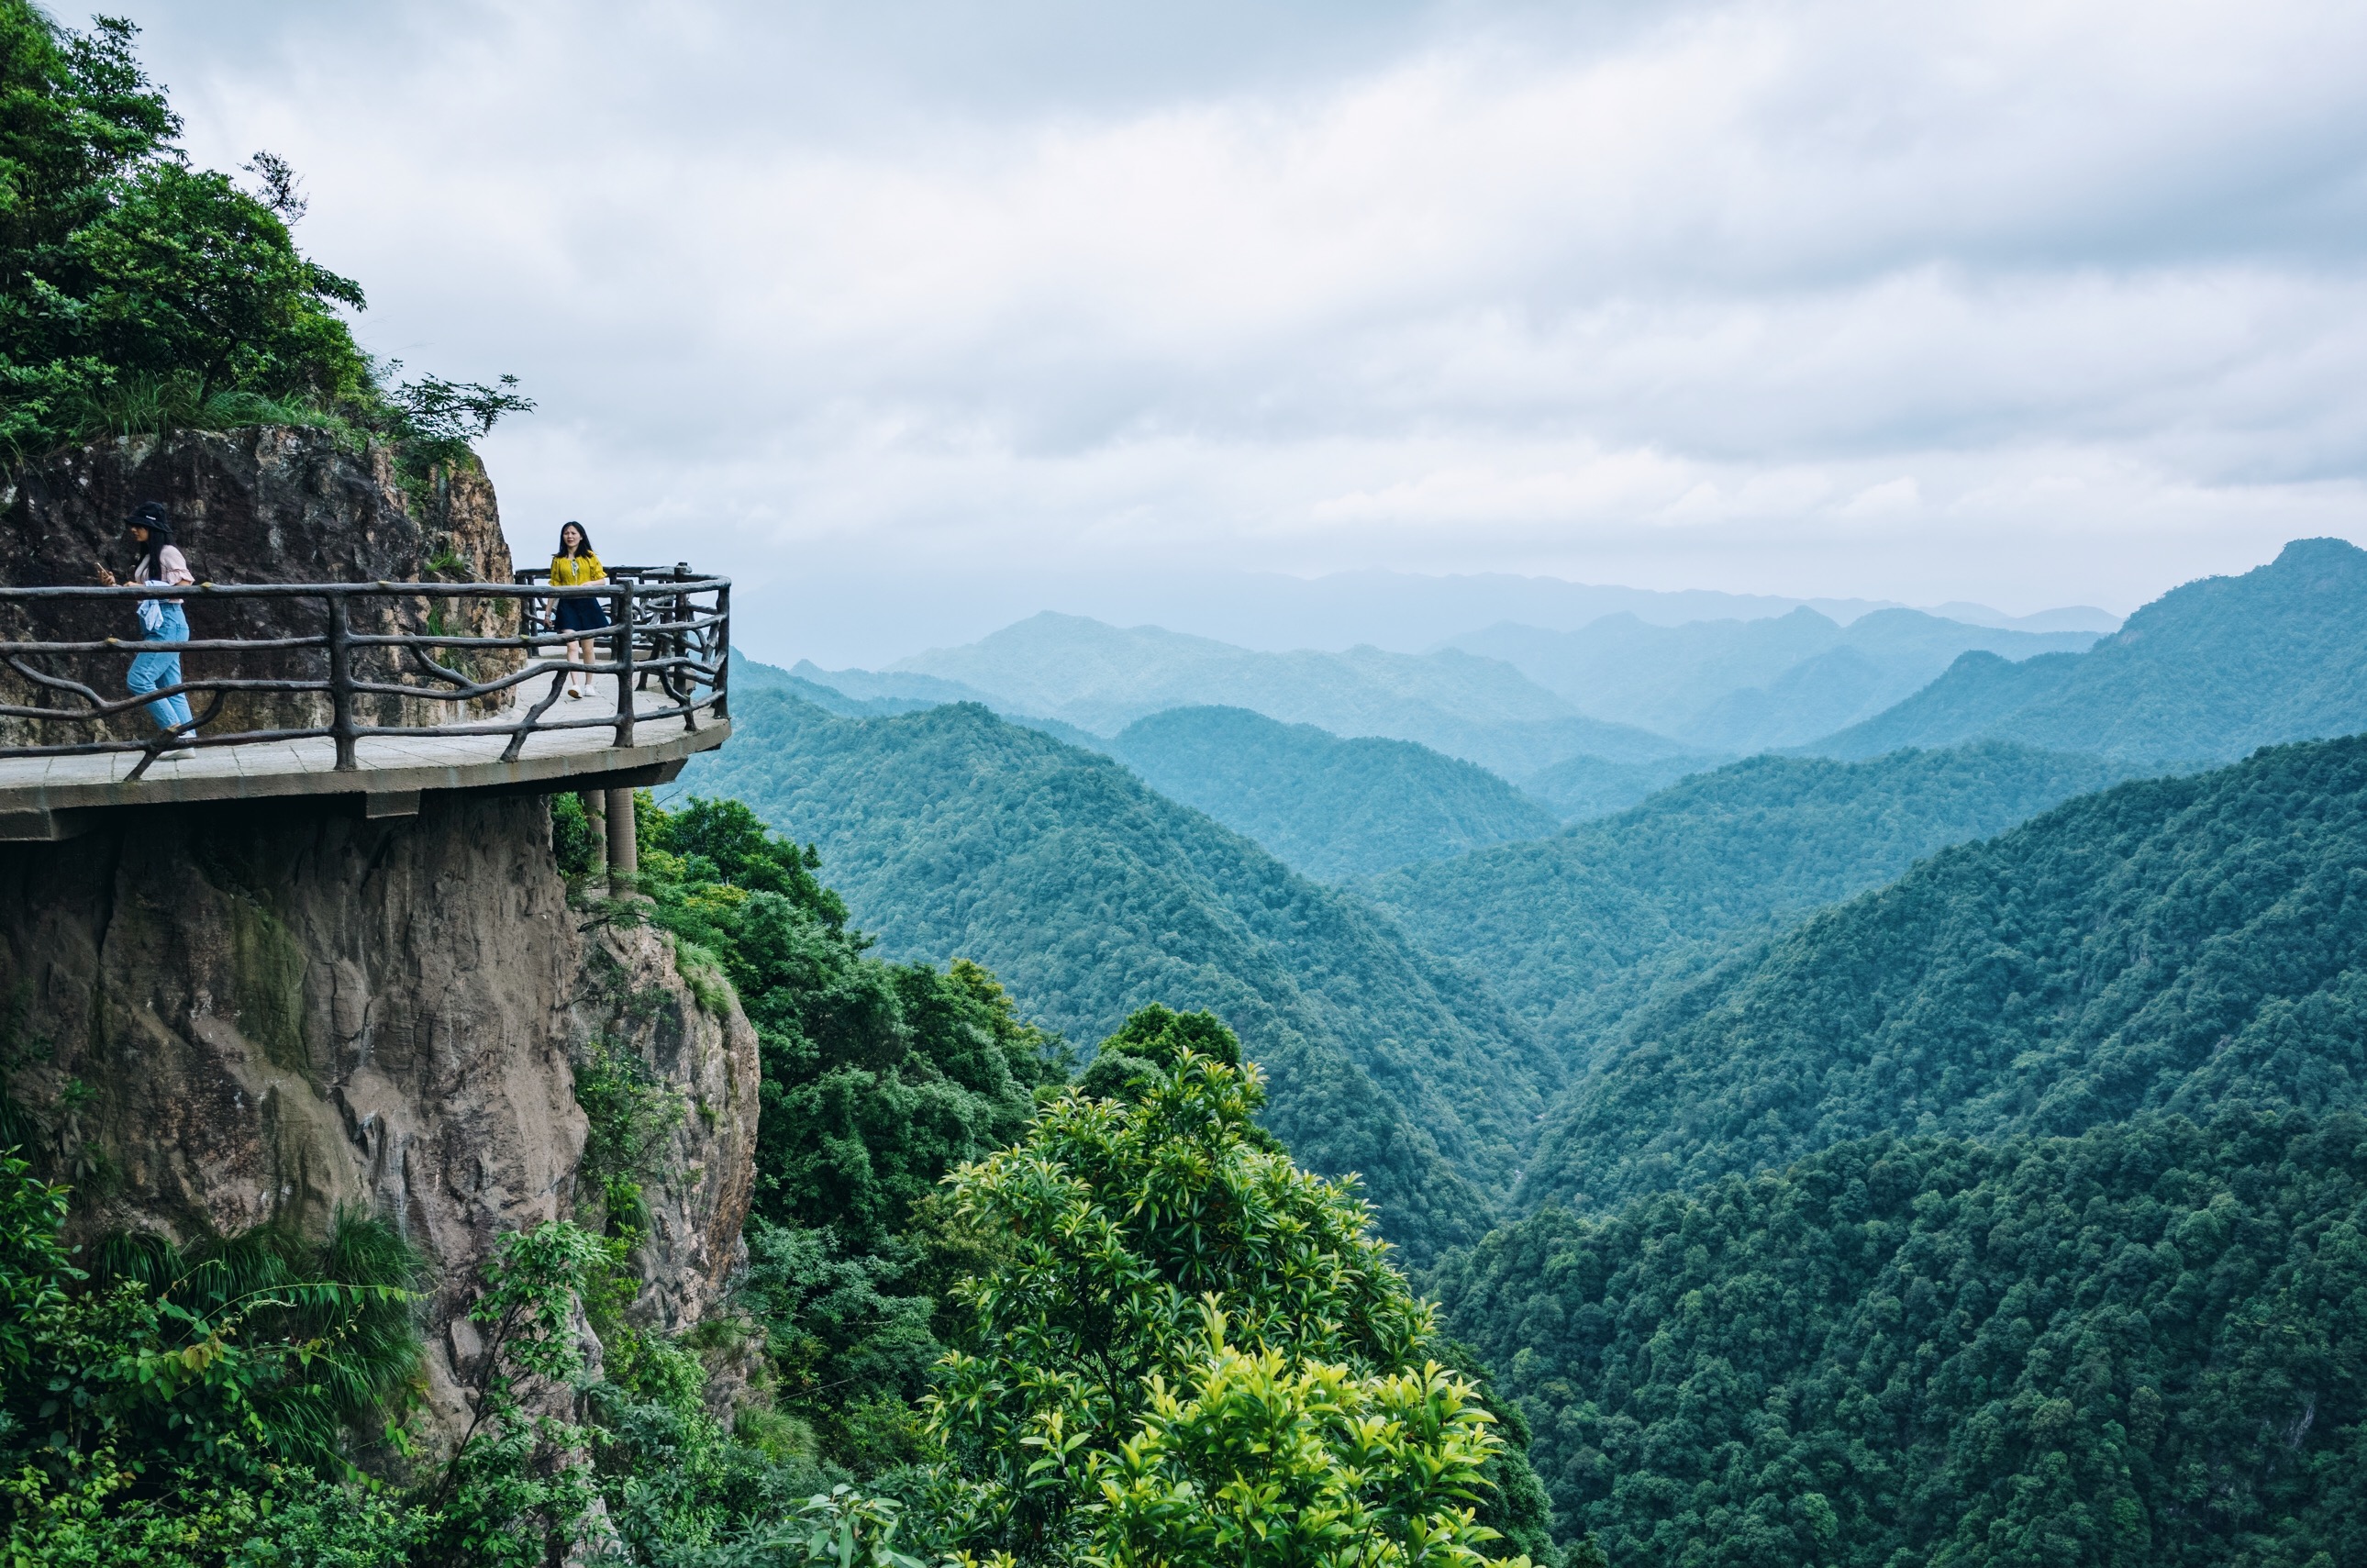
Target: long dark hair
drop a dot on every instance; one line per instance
(152, 515)
(580, 532)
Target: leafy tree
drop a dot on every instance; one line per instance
(1148, 1044)
(1145, 1236)
(1269, 1462)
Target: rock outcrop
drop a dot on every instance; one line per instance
(215, 1018)
(224, 1017)
(274, 503)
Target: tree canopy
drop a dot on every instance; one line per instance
(2144, 1345)
(1191, 1350)
(138, 291)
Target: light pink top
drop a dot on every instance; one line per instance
(175, 567)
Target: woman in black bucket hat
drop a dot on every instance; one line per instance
(161, 563)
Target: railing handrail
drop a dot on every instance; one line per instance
(683, 645)
(480, 590)
(679, 571)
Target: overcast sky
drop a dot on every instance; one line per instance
(922, 316)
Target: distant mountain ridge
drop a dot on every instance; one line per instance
(1101, 678)
(1737, 686)
(2202, 674)
(1517, 700)
(1328, 806)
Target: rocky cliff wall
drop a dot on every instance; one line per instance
(221, 1018)
(274, 503)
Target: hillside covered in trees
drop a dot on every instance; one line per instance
(1574, 930)
(2190, 945)
(2009, 1214)
(2146, 1345)
(953, 834)
(1328, 806)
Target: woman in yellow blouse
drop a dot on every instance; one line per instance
(576, 567)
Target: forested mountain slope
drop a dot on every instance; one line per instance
(749, 674)
(2146, 1345)
(2181, 944)
(953, 834)
(1328, 806)
(2202, 674)
(1741, 685)
(1574, 930)
(1578, 788)
(1103, 678)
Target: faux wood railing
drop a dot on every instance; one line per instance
(380, 646)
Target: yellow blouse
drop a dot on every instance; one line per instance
(574, 571)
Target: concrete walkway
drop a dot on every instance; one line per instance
(54, 797)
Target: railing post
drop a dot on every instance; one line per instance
(722, 648)
(341, 685)
(625, 662)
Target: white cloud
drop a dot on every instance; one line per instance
(1918, 302)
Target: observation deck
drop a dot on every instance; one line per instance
(366, 695)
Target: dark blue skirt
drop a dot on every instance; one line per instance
(582, 614)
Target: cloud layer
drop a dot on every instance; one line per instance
(2029, 302)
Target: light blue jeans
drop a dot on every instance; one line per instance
(150, 671)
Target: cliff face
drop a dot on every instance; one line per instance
(269, 504)
(219, 1019)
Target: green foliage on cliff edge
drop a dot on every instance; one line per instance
(879, 1080)
(160, 1404)
(138, 293)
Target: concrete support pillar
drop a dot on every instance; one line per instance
(595, 811)
(624, 847)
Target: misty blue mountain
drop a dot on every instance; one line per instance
(1580, 787)
(1101, 678)
(1744, 685)
(2202, 674)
